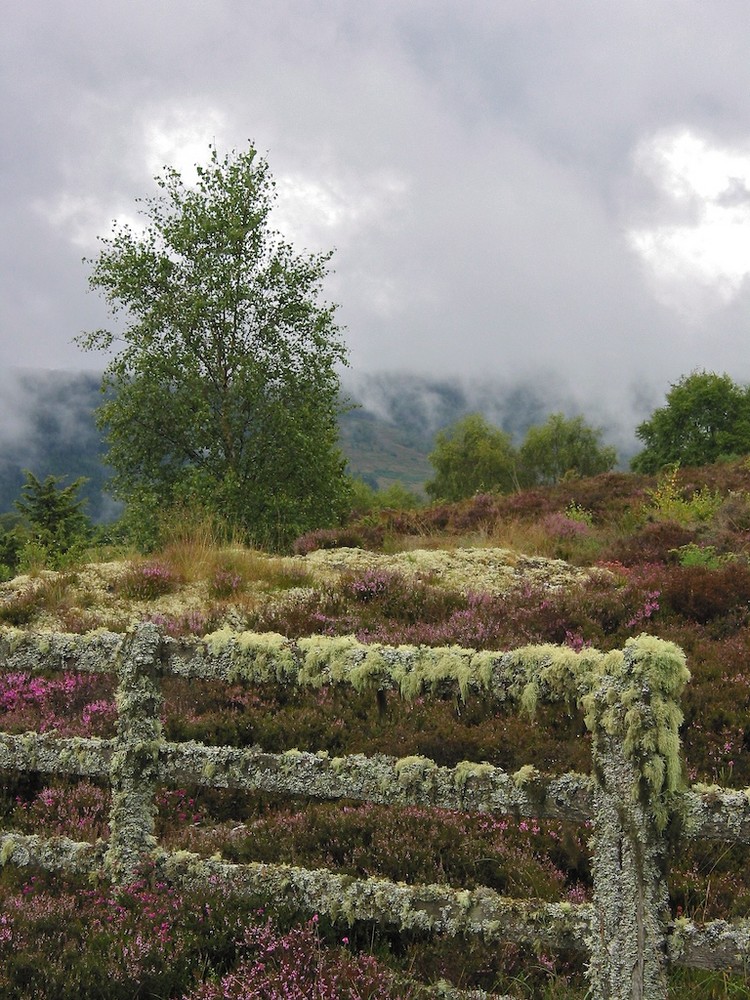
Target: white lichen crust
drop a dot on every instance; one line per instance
(134, 767)
(630, 700)
(41, 652)
(713, 813)
(425, 908)
(52, 853)
(52, 754)
(716, 945)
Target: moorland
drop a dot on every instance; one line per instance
(588, 562)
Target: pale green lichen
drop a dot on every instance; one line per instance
(326, 659)
(525, 776)
(7, 850)
(218, 641)
(413, 770)
(466, 771)
(423, 668)
(630, 700)
(265, 656)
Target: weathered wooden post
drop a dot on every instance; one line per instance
(634, 715)
(134, 767)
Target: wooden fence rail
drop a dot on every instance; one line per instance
(631, 703)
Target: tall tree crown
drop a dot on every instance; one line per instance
(224, 389)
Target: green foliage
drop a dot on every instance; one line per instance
(11, 543)
(53, 528)
(668, 502)
(575, 512)
(706, 417)
(563, 448)
(693, 554)
(471, 457)
(226, 392)
(366, 500)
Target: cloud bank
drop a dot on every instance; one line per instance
(556, 192)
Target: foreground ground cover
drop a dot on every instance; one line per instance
(671, 563)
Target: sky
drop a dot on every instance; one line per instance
(545, 190)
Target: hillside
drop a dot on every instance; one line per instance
(387, 428)
(584, 566)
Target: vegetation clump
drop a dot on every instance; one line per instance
(225, 393)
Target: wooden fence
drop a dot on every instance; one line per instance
(631, 703)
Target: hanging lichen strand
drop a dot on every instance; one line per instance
(634, 716)
(634, 692)
(630, 701)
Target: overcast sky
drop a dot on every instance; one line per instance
(514, 188)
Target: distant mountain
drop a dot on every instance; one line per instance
(382, 453)
(47, 426)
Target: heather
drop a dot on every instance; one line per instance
(664, 556)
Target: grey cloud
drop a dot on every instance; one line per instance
(511, 126)
(735, 193)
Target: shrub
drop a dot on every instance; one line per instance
(411, 844)
(193, 622)
(653, 543)
(146, 581)
(701, 594)
(62, 938)
(297, 966)
(79, 810)
(226, 582)
(668, 502)
(563, 526)
(693, 554)
(74, 704)
(357, 536)
(481, 511)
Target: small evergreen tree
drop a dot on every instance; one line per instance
(52, 515)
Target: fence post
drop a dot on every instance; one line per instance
(634, 717)
(134, 766)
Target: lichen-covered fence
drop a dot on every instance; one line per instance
(630, 698)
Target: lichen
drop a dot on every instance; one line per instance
(631, 703)
(326, 659)
(466, 771)
(263, 657)
(525, 776)
(413, 770)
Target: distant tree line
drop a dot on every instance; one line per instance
(473, 457)
(706, 418)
